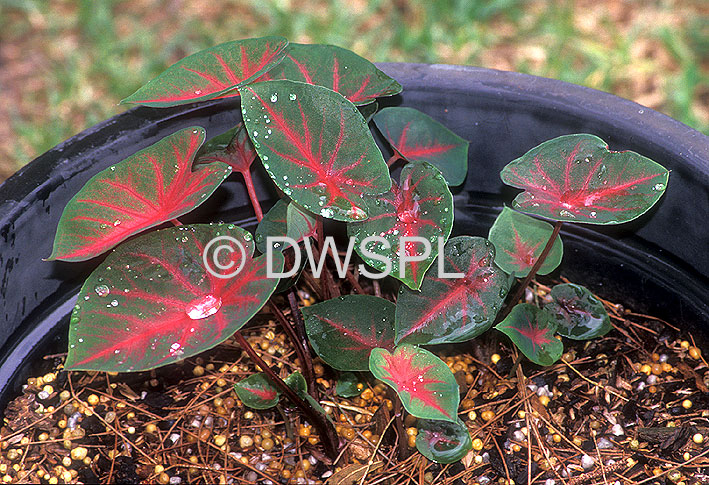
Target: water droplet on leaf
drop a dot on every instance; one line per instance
(203, 307)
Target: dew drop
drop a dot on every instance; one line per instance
(274, 97)
(659, 187)
(203, 307)
(102, 290)
(114, 303)
(117, 222)
(292, 96)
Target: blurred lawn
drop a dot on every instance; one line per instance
(64, 65)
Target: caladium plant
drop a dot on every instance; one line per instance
(165, 295)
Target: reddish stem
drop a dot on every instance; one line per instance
(393, 159)
(325, 429)
(175, 222)
(252, 194)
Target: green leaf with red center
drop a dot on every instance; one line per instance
(212, 73)
(421, 206)
(316, 146)
(453, 309)
(575, 178)
(424, 383)
(284, 219)
(578, 314)
(153, 186)
(257, 391)
(233, 148)
(344, 330)
(415, 136)
(519, 240)
(443, 441)
(336, 68)
(166, 296)
(532, 329)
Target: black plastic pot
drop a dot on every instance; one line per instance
(657, 265)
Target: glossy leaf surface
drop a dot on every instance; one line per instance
(153, 302)
(284, 219)
(575, 178)
(257, 391)
(448, 310)
(316, 147)
(233, 148)
(336, 68)
(344, 330)
(153, 186)
(347, 385)
(519, 241)
(296, 381)
(418, 137)
(424, 383)
(443, 441)
(532, 331)
(420, 206)
(212, 73)
(578, 314)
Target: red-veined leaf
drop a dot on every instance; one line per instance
(578, 314)
(575, 178)
(532, 331)
(421, 206)
(519, 240)
(233, 148)
(443, 441)
(257, 391)
(344, 330)
(284, 219)
(424, 383)
(316, 146)
(153, 186)
(336, 68)
(457, 309)
(415, 136)
(153, 301)
(212, 73)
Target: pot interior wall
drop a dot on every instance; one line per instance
(658, 265)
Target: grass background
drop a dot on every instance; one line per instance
(64, 65)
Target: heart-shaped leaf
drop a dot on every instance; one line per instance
(166, 296)
(454, 309)
(420, 207)
(579, 314)
(153, 186)
(417, 137)
(212, 73)
(347, 385)
(233, 148)
(519, 240)
(532, 331)
(316, 147)
(344, 330)
(257, 391)
(443, 441)
(575, 178)
(424, 383)
(336, 68)
(284, 219)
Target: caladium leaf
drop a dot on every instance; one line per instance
(212, 73)
(336, 68)
(233, 148)
(415, 136)
(532, 331)
(296, 381)
(443, 441)
(578, 314)
(368, 110)
(424, 383)
(344, 330)
(166, 296)
(448, 310)
(347, 385)
(316, 147)
(257, 391)
(284, 219)
(421, 206)
(575, 178)
(519, 241)
(153, 186)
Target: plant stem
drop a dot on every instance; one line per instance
(399, 423)
(325, 429)
(532, 272)
(252, 194)
(324, 288)
(175, 222)
(393, 159)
